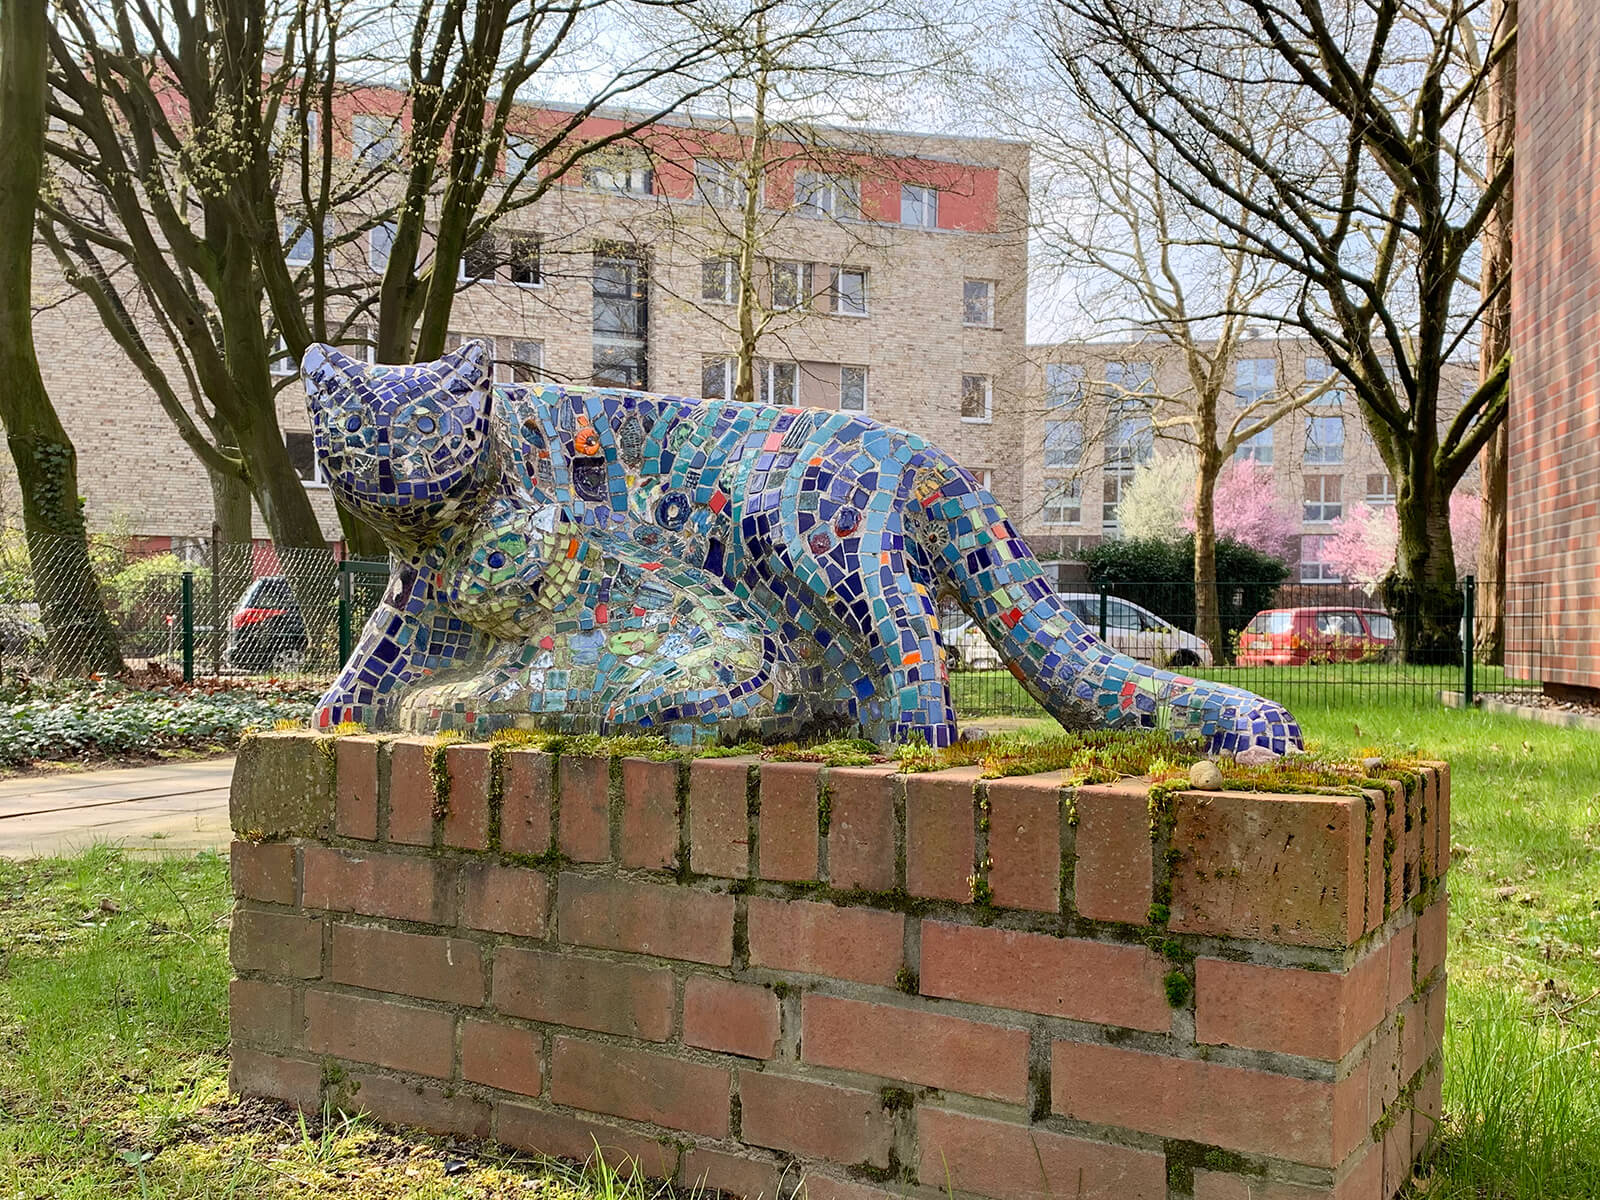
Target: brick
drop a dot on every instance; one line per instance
(1427, 1108)
(640, 1085)
(253, 1073)
(719, 817)
(915, 1047)
(1401, 946)
(261, 1014)
(1377, 886)
(865, 945)
(646, 918)
(1383, 1068)
(1112, 878)
(703, 1171)
(426, 1106)
(505, 899)
(411, 795)
(1433, 928)
(263, 871)
(1441, 823)
(501, 1056)
(1395, 852)
(525, 802)
(276, 943)
(1415, 798)
(381, 1032)
(1317, 1014)
(588, 993)
(1288, 869)
(413, 964)
(1397, 1153)
(788, 823)
(941, 838)
(1025, 842)
(1014, 1162)
(821, 1120)
(585, 833)
(283, 787)
(466, 817)
(355, 813)
(403, 888)
(562, 1136)
(649, 813)
(738, 1018)
(861, 851)
(1429, 814)
(1060, 977)
(1254, 1112)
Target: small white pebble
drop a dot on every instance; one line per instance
(1205, 774)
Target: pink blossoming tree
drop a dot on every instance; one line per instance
(1361, 546)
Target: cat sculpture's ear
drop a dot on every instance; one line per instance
(471, 362)
(324, 369)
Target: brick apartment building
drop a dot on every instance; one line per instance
(1086, 427)
(1553, 523)
(892, 278)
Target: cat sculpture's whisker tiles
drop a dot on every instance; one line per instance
(605, 560)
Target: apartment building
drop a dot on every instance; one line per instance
(890, 267)
(1096, 411)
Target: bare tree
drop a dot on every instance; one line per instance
(1374, 221)
(80, 633)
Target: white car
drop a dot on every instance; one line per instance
(1139, 633)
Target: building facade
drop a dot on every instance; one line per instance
(1096, 411)
(890, 269)
(1553, 519)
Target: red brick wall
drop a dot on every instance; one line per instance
(1554, 522)
(752, 974)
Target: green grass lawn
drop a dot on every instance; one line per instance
(113, 1016)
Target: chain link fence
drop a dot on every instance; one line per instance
(194, 606)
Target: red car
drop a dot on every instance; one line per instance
(1292, 637)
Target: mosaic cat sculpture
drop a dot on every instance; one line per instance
(607, 560)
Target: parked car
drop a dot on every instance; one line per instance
(1292, 637)
(265, 632)
(1134, 630)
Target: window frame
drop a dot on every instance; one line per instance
(927, 204)
(988, 304)
(1322, 449)
(721, 187)
(988, 399)
(317, 480)
(822, 183)
(625, 169)
(517, 361)
(1324, 570)
(515, 258)
(1384, 498)
(729, 292)
(1249, 449)
(487, 240)
(1070, 493)
(729, 365)
(1328, 510)
(1068, 400)
(803, 280)
(836, 294)
(766, 379)
(1255, 392)
(843, 367)
(1055, 455)
(393, 228)
(305, 235)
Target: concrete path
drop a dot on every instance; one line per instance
(168, 808)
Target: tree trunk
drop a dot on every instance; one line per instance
(1500, 126)
(80, 633)
(1207, 609)
(1420, 590)
(232, 556)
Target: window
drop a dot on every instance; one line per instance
(380, 242)
(977, 303)
(791, 284)
(1322, 502)
(852, 389)
(1318, 371)
(719, 183)
(848, 292)
(302, 450)
(1130, 441)
(826, 195)
(1257, 447)
(527, 362)
(519, 154)
(619, 176)
(621, 317)
(716, 280)
(357, 342)
(1063, 503)
(1063, 385)
(376, 139)
(297, 242)
(453, 340)
(1127, 380)
(1313, 569)
(526, 270)
(1324, 441)
(477, 261)
(1111, 488)
(977, 400)
(775, 382)
(919, 206)
(282, 362)
(292, 124)
(1253, 380)
(1063, 444)
(1380, 489)
(983, 477)
(716, 378)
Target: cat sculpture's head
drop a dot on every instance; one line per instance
(406, 447)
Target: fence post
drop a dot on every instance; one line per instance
(344, 614)
(186, 608)
(215, 615)
(1102, 611)
(1469, 634)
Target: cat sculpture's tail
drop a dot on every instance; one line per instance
(975, 552)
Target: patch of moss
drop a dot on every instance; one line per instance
(906, 980)
(1178, 987)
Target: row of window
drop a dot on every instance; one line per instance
(1254, 379)
(795, 284)
(1322, 504)
(779, 382)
